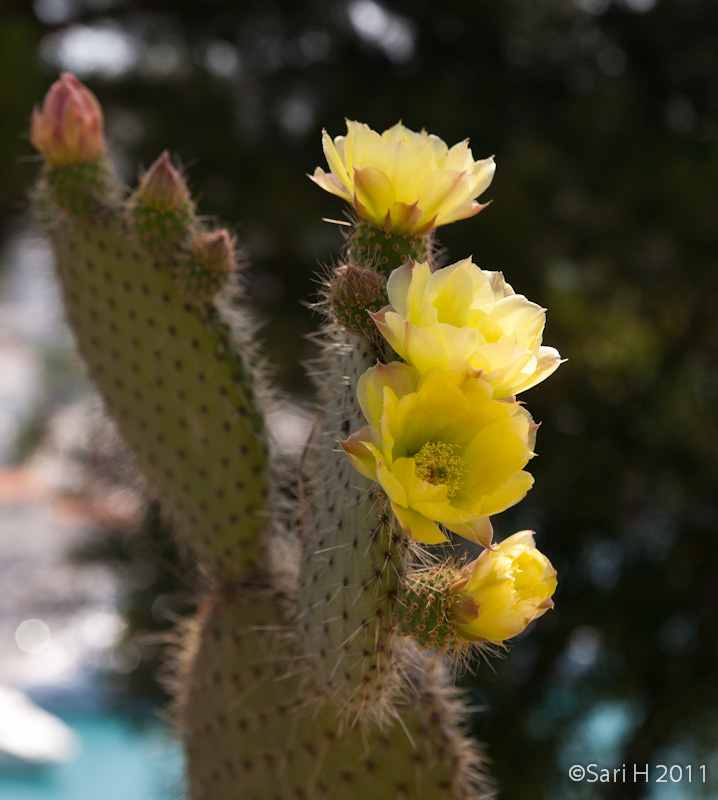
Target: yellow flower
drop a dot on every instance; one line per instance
(462, 317)
(442, 449)
(68, 129)
(506, 587)
(402, 181)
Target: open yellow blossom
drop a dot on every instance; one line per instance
(402, 181)
(442, 449)
(462, 317)
(506, 587)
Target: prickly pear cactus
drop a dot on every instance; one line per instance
(316, 667)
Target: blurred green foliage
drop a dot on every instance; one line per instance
(603, 115)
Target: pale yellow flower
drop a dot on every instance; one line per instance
(69, 127)
(402, 181)
(507, 587)
(443, 450)
(465, 318)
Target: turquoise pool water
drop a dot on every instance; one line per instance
(117, 761)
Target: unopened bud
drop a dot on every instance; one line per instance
(214, 250)
(354, 285)
(69, 127)
(207, 267)
(162, 188)
(354, 293)
(504, 589)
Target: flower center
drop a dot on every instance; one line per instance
(437, 463)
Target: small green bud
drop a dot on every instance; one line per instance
(207, 267)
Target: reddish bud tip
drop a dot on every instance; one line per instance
(162, 187)
(69, 127)
(215, 250)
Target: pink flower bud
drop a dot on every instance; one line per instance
(215, 250)
(162, 187)
(69, 127)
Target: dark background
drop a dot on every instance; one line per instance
(603, 117)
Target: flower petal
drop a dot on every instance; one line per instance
(336, 163)
(402, 218)
(418, 526)
(401, 378)
(330, 183)
(373, 193)
(360, 455)
(479, 530)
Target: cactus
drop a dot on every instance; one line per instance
(316, 664)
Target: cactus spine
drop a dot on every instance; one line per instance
(314, 676)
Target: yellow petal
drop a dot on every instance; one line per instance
(443, 190)
(498, 284)
(419, 309)
(484, 171)
(373, 193)
(361, 456)
(389, 483)
(509, 494)
(402, 218)
(401, 378)
(522, 538)
(459, 157)
(391, 326)
(403, 166)
(517, 315)
(420, 347)
(335, 162)
(468, 209)
(547, 362)
(398, 285)
(331, 183)
(417, 526)
(453, 290)
(421, 416)
(479, 530)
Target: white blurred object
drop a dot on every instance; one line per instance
(32, 735)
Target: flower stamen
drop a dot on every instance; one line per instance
(436, 463)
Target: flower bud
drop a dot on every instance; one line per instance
(503, 590)
(69, 127)
(355, 285)
(162, 187)
(214, 250)
(207, 266)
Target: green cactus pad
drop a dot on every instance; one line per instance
(162, 233)
(171, 378)
(354, 553)
(258, 730)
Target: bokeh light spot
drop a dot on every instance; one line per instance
(32, 636)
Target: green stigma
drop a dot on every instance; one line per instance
(436, 463)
